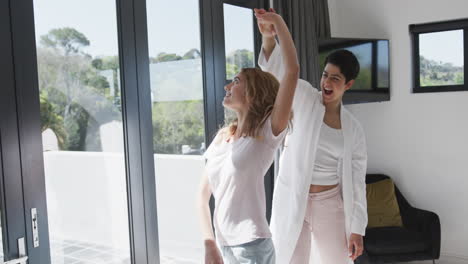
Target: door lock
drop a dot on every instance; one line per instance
(35, 228)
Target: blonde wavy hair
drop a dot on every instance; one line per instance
(261, 90)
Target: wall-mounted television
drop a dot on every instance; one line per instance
(373, 81)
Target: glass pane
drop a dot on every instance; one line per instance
(363, 53)
(1, 237)
(383, 73)
(78, 65)
(441, 58)
(178, 125)
(238, 39)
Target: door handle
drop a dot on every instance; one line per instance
(23, 259)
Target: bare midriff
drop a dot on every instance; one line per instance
(320, 188)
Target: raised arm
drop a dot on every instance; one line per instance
(270, 57)
(282, 108)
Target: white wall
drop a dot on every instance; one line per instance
(87, 202)
(420, 140)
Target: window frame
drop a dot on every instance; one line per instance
(214, 62)
(136, 121)
(136, 115)
(257, 38)
(434, 27)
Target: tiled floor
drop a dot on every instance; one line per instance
(76, 252)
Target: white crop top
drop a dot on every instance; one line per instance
(329, 150)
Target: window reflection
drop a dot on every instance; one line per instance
(441, 66)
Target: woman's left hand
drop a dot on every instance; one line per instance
(267, 30)
(356, 246)
(267, 18)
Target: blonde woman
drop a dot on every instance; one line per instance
(240, 155)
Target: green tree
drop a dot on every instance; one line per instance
(74, 93)
(433, 73)
(51, 120)
(231, 71)
(110, 63)
(459, 78)
(243, 58)
(191, 54)
(68, 40)
(363, 80)
(106, 63)
(176, 124)
(163, 57)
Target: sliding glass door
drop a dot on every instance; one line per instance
(82, 133)
(75, 133)
(12, 212)
(178, 120)
(106, 110)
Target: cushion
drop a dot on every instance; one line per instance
(382, 205)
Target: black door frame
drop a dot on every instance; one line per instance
(138, 130)
(20, 137)
(13, 215)
(28, 116)
(136, 115)
(214, 57)
(214, 71)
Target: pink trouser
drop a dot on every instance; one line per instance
(324, 229)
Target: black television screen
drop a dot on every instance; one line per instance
(373, 81)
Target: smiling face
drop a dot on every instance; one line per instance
(235, 98)
(333, 84)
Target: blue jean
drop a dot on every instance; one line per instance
(259, 251)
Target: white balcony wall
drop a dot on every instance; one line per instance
(87, 200)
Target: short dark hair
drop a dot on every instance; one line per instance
(346, 61)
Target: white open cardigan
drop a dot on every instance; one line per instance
(297, 164)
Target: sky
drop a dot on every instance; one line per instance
(446, 46)
(238, 28)
(173, 26)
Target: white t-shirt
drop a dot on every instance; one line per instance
(235, 172)
(329, 150)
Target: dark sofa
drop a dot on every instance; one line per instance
(418, 239)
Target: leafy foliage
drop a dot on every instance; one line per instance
(176, 124)
(433, 73)
(237, 60)
(80, 93)
(74, 95)
(68, 40)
